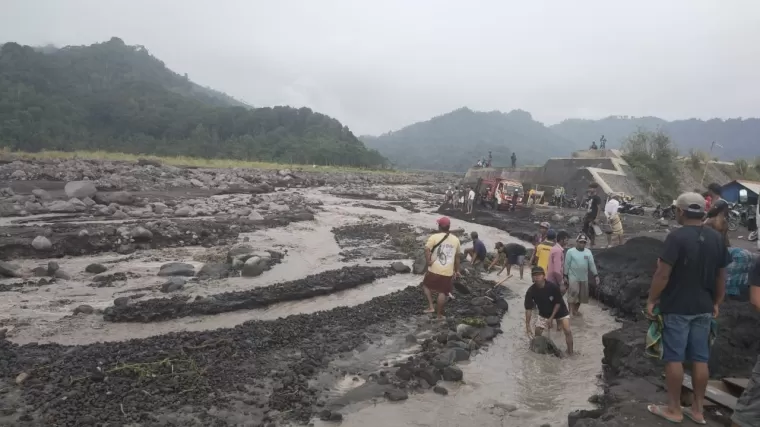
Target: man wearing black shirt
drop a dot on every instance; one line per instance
(514, 254)
(594, 207)
(689, 285)
(547, 297)
(747, 411)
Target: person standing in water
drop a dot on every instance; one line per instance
(689, 285)
(442, 252)
(557, 261)
(547, 297)
(579, 262)
(539, 237)
(747, 410)
(543, 251)
(514, 254)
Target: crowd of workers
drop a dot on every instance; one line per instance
(686, 292)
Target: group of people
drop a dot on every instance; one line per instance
(686, 293)
(461, 197)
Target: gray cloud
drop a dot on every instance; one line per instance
(381, 65)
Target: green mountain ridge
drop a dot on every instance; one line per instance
(456, 140)
(115, 97)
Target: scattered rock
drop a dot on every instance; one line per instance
(41, 194)
(52, 267)
(9, 270)
(328, 415)
(429, 374)
(440, 390)
(253, 267)
(447, 358)
(159, 208)
(80, 189)
(83, 233)
(213, 270)
(20, 378)
(183, 211)
(61, 206)
(452, 373)
(396, 395)
(119, 215)
(41, 243)
(174, 284)
(60, 274)
(544, 345)
(411, 339)
(177, 269)
(121, 301)
(400, 267)
(557, 218)
(573, 220)
(141, 234)
(84, 309)
(96, 268)
(493, 320)
(663, 222)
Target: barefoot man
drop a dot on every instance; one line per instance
(443, 257)
(547, 297)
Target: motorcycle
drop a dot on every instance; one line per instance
(734, 218)
(666, 213)
(631, 209)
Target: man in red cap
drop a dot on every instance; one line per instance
(442, 252)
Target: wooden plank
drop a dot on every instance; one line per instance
(739, 383)
(713, 394)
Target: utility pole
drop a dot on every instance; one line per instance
(707, 162)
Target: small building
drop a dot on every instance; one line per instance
(730, 191)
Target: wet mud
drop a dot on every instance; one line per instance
(261, 369)
(158, 309)
(377, 240)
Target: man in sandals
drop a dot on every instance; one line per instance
(442, 252)
(747, 410)
(689, 285)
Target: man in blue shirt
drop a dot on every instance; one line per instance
(477, 252)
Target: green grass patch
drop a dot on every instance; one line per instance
(181, 161)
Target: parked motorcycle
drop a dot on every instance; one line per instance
(631, 209)
(667, 213)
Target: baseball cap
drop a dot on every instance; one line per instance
(582, 238)
(551, 234)
(444, 221)
(537, 270)
(544, 225)
(692, 204)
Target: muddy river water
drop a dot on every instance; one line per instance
(543, 388)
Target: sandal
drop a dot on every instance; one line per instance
(687, 413)
(658, 411)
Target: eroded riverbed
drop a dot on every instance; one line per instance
(504, 384)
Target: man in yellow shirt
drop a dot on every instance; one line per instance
(442, 252)
(543, 250)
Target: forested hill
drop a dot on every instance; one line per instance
(456, 140)
(115, 97)
(740, 138)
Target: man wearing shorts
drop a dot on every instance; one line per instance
(514, 254)
(443, 257)
(579, 262)
(689, 285)
(547, 297)
(747, 411)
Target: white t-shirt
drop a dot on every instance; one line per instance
(471, 196)
(611, 208)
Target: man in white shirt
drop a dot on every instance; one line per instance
(470, 200)
(614, 222)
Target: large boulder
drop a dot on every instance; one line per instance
(60, 206)
(177, 269)
(80, 189)
(253, 267)
(213, 270)
(400, 267)
(9, 270)
(141, 234)
(544, 345)
(173, 284)
(41, 243)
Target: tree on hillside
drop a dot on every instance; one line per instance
(115, 97)
(652, 157)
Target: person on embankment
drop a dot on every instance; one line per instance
(747, 410)
(689, 285)
(514, 254)
(579, 262)
(717, 216)
(547, 297)
(543, 250)
(592, 215)
(442, 252)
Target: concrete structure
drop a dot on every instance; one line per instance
(605, 167)
(730, 191)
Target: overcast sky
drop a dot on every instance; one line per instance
(380, 65)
